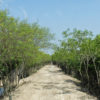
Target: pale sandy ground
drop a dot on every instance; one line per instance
(49, 83)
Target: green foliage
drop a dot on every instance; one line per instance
(79, 52)
(21, 42)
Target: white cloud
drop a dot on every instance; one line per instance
(4, 3)
(24, 12)
(1, 2)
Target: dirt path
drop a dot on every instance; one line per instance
(49, 83)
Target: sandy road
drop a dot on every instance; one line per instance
(49, 83)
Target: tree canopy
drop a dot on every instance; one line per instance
(79, 53)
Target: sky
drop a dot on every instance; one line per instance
(57, 15)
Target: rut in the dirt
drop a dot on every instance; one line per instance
(49, 83)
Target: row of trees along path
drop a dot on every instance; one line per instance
(21, 53)
(50, 83)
